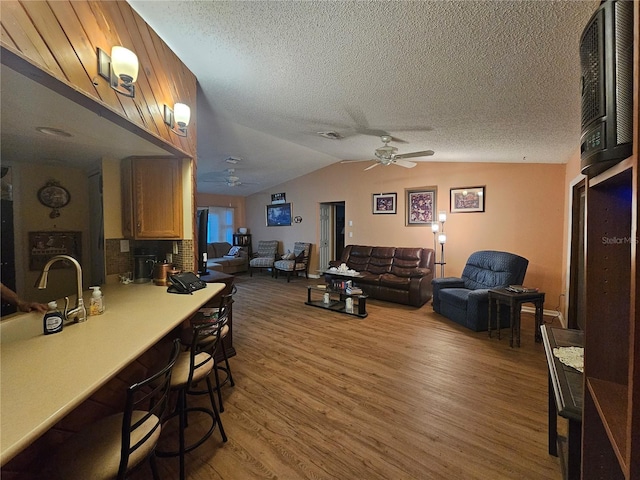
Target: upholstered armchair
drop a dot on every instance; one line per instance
(299, 261)
(264, 257)
(465, 300)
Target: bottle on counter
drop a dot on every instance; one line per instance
(53, 320)
(96, 305)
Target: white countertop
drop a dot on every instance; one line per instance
(44, 377)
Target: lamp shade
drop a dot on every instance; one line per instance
(442, 238)
(442, 217)
(435, 227)
(124, 64)
(181, 114)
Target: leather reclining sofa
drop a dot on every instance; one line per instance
(400, 275)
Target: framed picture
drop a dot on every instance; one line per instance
(279, 215)
(45, 245)
(467, 199)
(277, 198)
(384, 203)
(421, 206)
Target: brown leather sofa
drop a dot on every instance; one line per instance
(394, 274)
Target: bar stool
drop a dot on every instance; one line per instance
(191, 367)
(224, 311)
(221, 318)
(116, 444)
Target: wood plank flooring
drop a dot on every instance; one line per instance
(401, 394)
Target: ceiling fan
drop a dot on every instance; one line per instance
(386, 155)
(231, 179)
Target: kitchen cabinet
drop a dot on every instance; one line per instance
(611, 411)
(152, 198)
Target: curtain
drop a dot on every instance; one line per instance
(221, 226)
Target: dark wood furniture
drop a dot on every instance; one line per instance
(565, 399)
(219, 277)
(243, 240)
(515, 301)
(611, 419)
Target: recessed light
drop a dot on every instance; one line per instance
(53, 131)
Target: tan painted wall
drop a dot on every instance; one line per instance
(31, 216)
(524, 213)
(214, 200)
(112, 198)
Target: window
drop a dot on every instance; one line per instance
(220, 224)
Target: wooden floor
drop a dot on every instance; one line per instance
(401, 394)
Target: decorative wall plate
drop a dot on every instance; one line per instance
(55, 196)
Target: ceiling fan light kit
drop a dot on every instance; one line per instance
(386, 155)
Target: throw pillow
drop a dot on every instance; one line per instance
(234, 252)
(288, 256)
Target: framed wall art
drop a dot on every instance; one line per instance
(279, 215)
(277, 198)
(384, 203)
(467, 199)
(45, 245)
(421, 206)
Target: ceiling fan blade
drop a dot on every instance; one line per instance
(425, 153)
(354, 161)
(371, 166)
(404, 163)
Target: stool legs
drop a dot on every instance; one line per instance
(182, 412)
(229, 378)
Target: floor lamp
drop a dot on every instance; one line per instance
(440, 238)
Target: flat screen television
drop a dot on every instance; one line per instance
(202, 220)
(606, 61)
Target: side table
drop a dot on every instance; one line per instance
(515, 301)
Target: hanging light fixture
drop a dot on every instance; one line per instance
(120, 69)
(178, 118)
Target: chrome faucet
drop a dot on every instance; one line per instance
(78, 312)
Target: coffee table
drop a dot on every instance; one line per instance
(338, 300)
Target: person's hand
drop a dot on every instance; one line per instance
(31, 307)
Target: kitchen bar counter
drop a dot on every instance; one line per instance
(44, 377)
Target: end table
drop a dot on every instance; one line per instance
(514, 301)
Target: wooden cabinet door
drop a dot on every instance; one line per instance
(152, 198)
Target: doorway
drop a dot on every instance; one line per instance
(332, 232)
(576, 298)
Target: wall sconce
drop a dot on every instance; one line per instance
(178, 118)
(121, 66)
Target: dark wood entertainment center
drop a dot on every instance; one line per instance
(611, 418)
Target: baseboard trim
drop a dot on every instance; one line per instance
(547, 313)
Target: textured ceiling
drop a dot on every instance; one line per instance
(487, 81)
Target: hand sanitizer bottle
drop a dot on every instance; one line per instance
(96, 305)
(53, 320)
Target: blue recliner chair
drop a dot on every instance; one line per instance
(466, 300)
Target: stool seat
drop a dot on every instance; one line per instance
(95, 452)
(181, 370)
(112, 446)
(192, 367)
